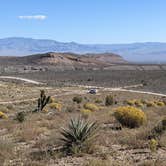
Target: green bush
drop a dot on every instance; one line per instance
(159, 129)
(20, 117)
(109, 100)
(130, 116)
(77, 99)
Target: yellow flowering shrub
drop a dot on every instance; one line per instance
(56, 106)
(153, 145)
(85, 113)
(160, 103)
(3, 115)
(130, 116)
(52, 99)
(91, 107)
(45, 110)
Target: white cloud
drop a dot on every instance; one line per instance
(34, 17)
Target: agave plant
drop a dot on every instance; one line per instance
(78, 136)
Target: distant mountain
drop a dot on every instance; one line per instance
(136, 52)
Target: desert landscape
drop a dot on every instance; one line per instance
(82, 83)
(33, 135)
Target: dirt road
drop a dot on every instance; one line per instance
(80, 91)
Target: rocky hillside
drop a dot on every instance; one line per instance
(62, 61)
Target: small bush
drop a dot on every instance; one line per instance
(153, 145)
(91, 107)
(85, 113)
(45, 110)
(109, 100)
(71, 108)
(52, 100)
(77, 99)
(56, 106)
(130, 102)
(138, 103)
(3, 115)
(160, 103)
(98, 101)
(159, 129)
(20, 117)
(150, 104)
(130, 116)
(4, 109)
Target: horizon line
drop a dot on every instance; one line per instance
(34, 38)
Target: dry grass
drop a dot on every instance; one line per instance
(40, 131)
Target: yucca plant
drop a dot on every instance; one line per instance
(42, 101)
(78, 136)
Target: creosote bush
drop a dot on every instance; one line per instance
(159, 129)
(130, 116)
(77, 99)
(79, 136)
(91, 107)
(109, 100)
(20, 116)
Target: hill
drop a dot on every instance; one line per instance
(61, 61)
(135, 52)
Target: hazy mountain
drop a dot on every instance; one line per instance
(136, 52)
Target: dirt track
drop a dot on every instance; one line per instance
(80, 91)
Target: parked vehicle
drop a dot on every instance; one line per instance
(92, 91)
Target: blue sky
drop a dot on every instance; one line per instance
(85, 21)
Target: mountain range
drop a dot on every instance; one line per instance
(150, 52)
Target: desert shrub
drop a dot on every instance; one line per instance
(79, 136)
(52, 100)
(20, 116)
(85, 113)
(4, 109)
(10, 107)
(130, 116)
(77, 99)
(91, 107)
(150, 104)
(159, 129)
(138, 103)
(153, 145)
(45, 110)
(109, 100)
(98, 101)
(3, 115)
(160, 103)
(71, 108)
(56, 106)
(130, 102)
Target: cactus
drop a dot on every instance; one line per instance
(42, 101)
